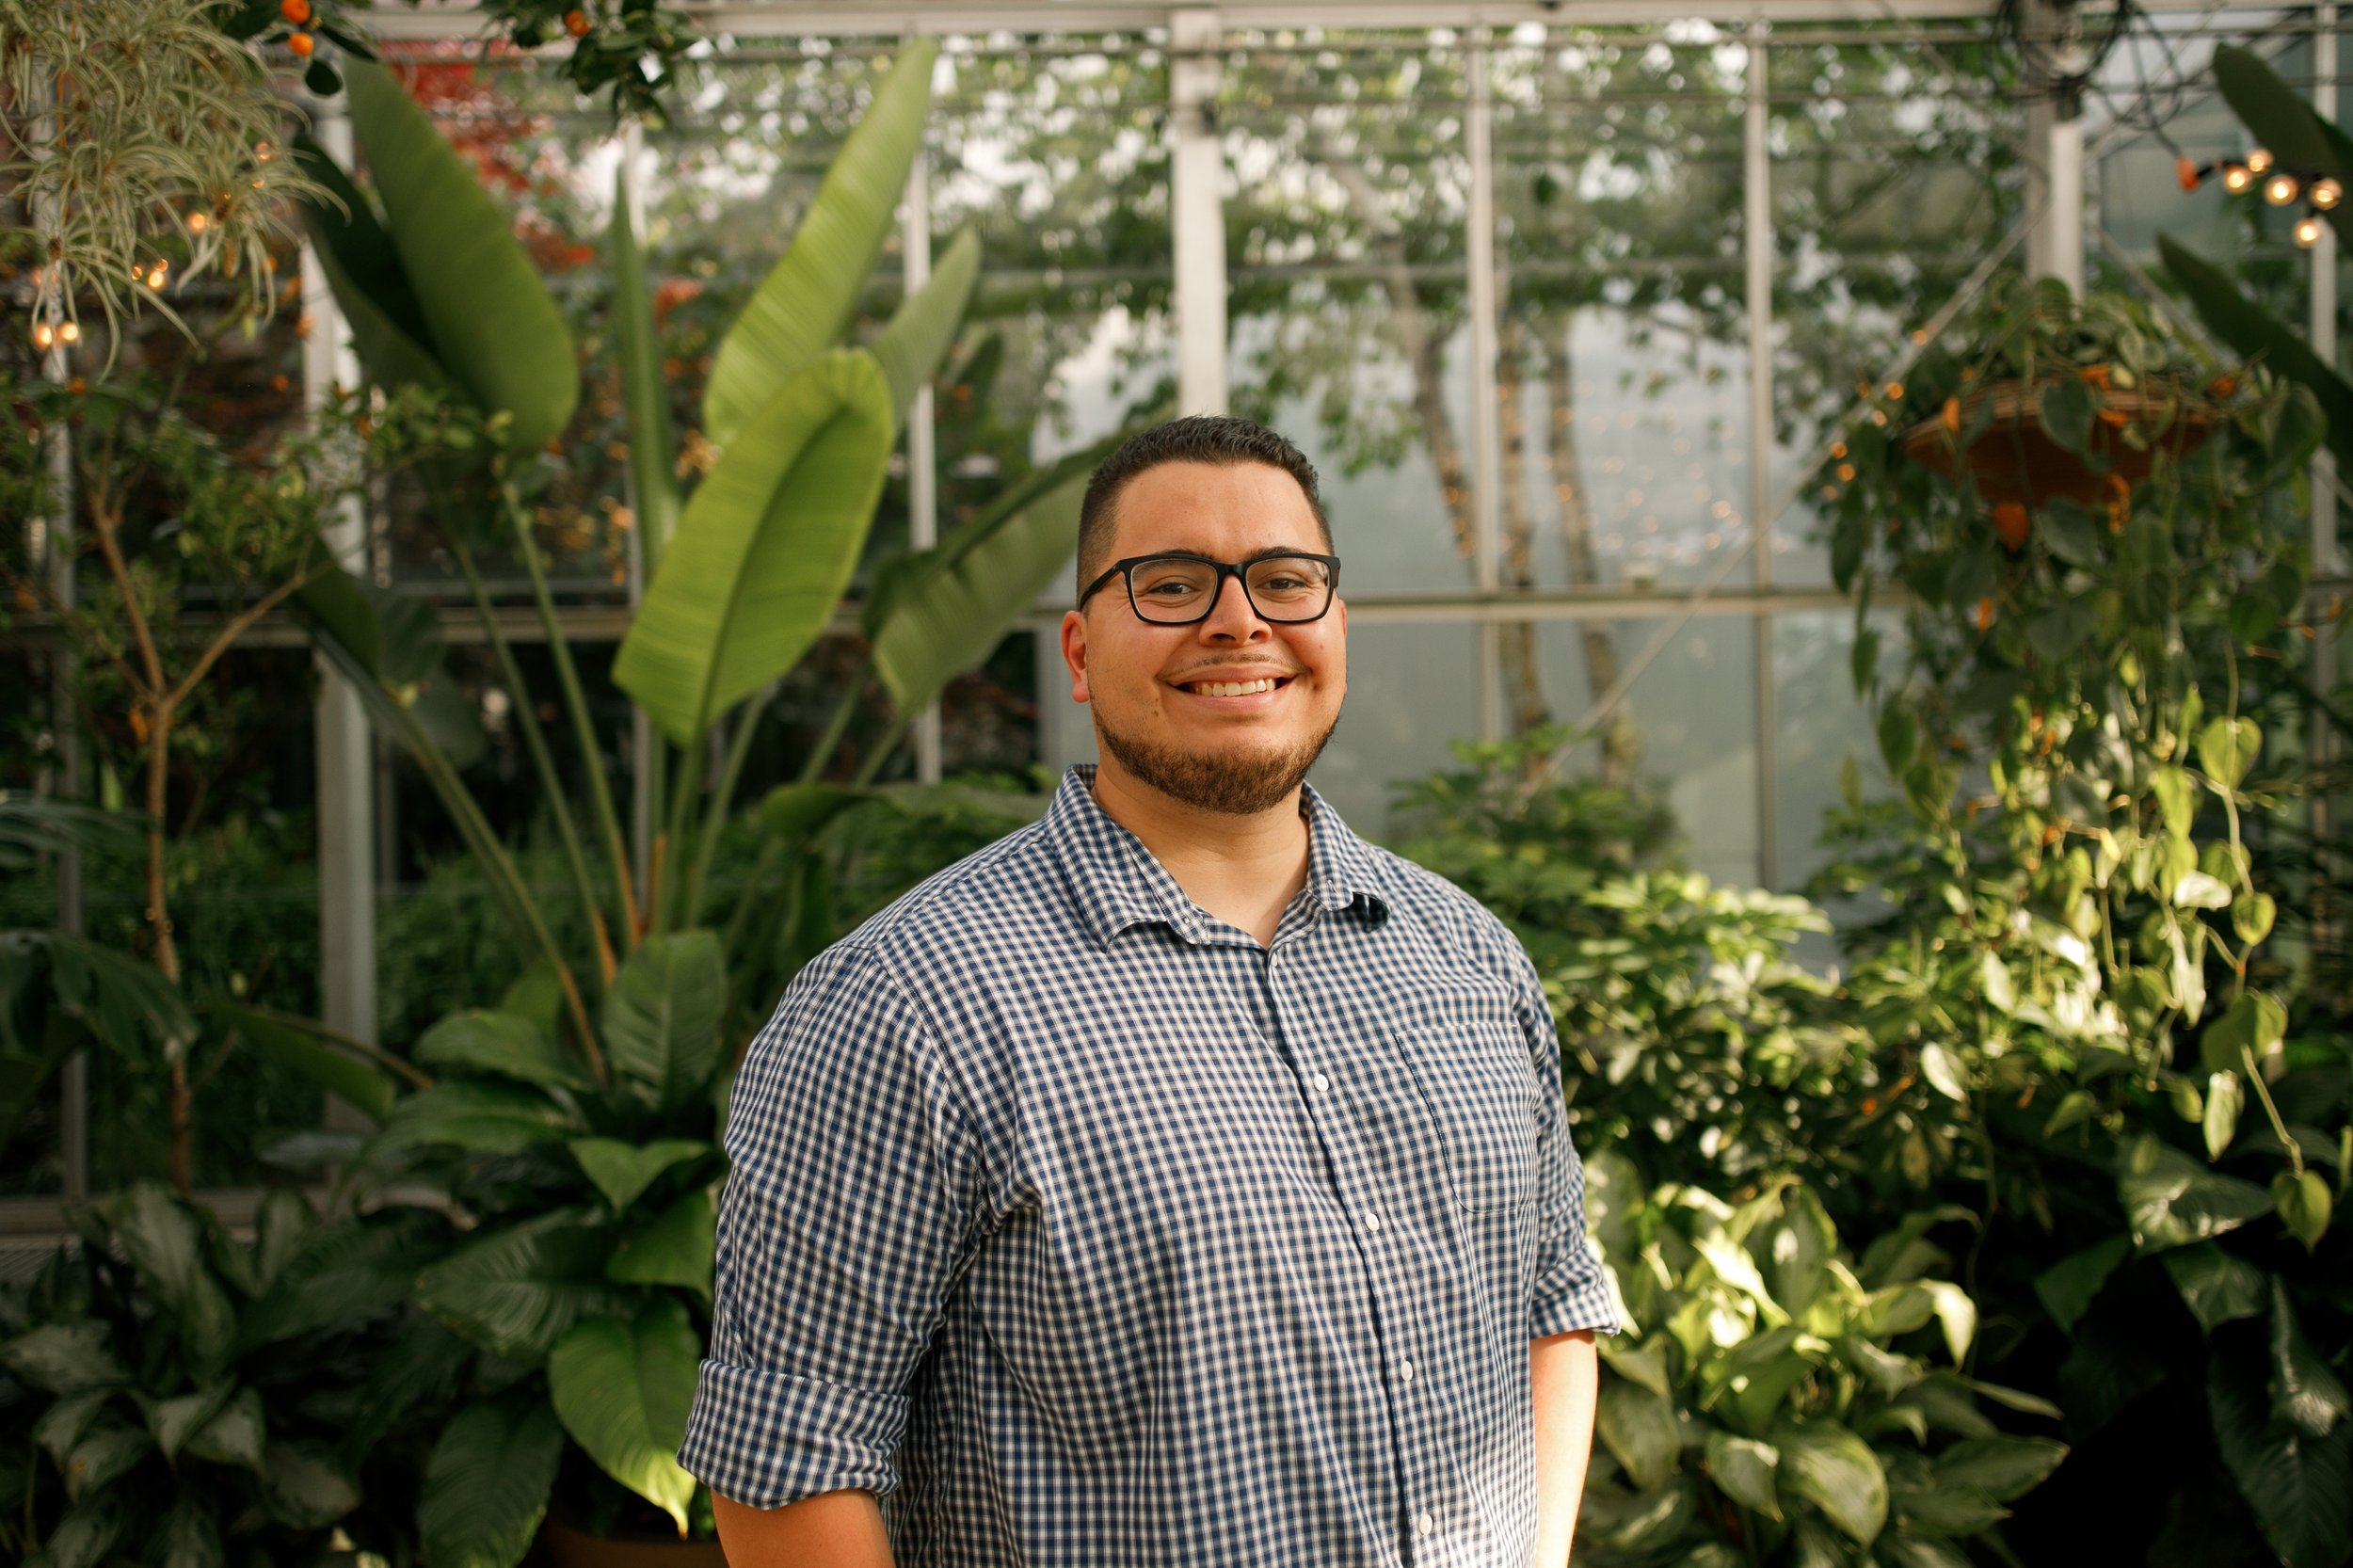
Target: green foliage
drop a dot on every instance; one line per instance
(162, 1394)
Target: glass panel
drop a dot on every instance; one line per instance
(1896, 168)
(1622, 343)
(1689, 729)
(1348, 325)
(1819, 726)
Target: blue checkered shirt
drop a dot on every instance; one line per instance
(1085, 1230)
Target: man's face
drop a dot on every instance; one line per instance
(1147, 682)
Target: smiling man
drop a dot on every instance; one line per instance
(1182, 1180)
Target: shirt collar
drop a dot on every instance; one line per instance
(1118, 883)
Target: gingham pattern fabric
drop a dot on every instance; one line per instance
(1087, 1231)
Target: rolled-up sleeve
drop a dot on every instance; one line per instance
(847, 1210)
(1571, 1290)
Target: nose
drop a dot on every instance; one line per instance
(1232, 618)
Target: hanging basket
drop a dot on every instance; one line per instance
(2013, 457)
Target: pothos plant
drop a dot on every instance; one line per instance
(2080, 987)
(1777, 1400)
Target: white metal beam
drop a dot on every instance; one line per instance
(915, 243)
(345, 758)
(1197, 213)
(1485, 379)
(2054, 144)
(1757, 243)
(2322, 325)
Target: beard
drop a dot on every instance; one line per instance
(1236, 784)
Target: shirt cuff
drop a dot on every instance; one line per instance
(764, 1439)
(1574, 1298)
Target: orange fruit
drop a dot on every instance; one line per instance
(2096, 374)
(301, 43)
(2223, 386)
(2009, 523)
(295, 11)
(1984, 617)
(576, 23)
(1952, 415)
(2187, 172)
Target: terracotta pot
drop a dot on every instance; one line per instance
(2012, 459)
(562, 1546)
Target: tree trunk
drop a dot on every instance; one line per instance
(167, 952)
(1620, 744)
(1522, 660)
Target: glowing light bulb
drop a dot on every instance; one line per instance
(2280, 189)
(2258, 161)
(2236, 178)
(198, 222)
(43, 334)
(2307, 230)
(2326, 193)
(69, 331)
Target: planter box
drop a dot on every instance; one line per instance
(2015, 459)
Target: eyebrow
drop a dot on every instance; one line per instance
(1267, 555)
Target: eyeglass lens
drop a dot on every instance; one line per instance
(1180, 588)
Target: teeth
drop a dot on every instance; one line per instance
(1234, 688)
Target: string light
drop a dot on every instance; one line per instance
(198, 222)
(43, 334)
(2280, 189)
(69, 331)
(2307, 230)
(2326, 193)
(2258, 161)
(2236, 178)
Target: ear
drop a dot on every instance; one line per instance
(1074, 652)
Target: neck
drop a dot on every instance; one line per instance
(1244, 870)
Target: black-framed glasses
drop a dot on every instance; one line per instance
(1180, 590)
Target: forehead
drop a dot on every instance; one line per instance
(1227, 510)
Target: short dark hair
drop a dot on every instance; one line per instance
(1214, 439)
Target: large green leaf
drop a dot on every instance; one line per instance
(2216, 1286)
(304, 1486)
(2305, 1392)
(516, 1292)
(2067, 1287)
(190, 1536)
(662, 1017)
(347, 1273)
(61, 1426)
(2301, 1487)
(910, 348)
(1744, 1469)
(622, 1171)
(106, 1453)
(362, 1085)
(2254, 331)
(2173, 1200)
(165, 1243)
(86, 1535)
(622, 1390)
(486, 1484)
(171, 1422)
(375, 635)
(1796, 1250)
(765, 549)
(949, 606)
(473, 1114)
(675, 1247)
(2004, 1468)
(64, 1358)
(238, 1434)
(645, 396)
(1834, 1470)
(478, 1040)
(495, 327)
(1641, 1431)
(347, 228)
(806, 302)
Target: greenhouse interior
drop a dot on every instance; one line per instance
(1839, 502)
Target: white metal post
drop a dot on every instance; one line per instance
(2054, 144)
(2322, 329)
(1756, 240)
(345, 760)
(1485, 377)
(1197, 211)
(915, 234)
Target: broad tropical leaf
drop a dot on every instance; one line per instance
(495, 327)
(375, 635)
(64, 1358)
(361, 1085)
(486, 1484)
(676, 1247)
(484, 1117)
(389, 355)
(945, 610)
(765, 549)
(171, 1422)
(85, 1534)
(1834, 1470)
(482, 1041)
(2301, 1487)
(806, 302)
(1640, 1429)
(622, 1171)
(190, 1536)
(2004, 1468)
(238, 1434)
(794, 812)
(622, 1390)
(910, 349)
(348, 229)
(1744, 1470)
(302, 1485)
(516, 1292)
(67, 1418)
(644, 397)
(2217, 1287)
(165, 1243)
(105, 1452)
(347, 1273)
(2255, 332)
(662, 1017)
(2173, 1200)
(2068, 1287)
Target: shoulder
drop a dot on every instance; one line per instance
(1010, 894)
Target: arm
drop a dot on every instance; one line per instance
(1564, 1375)
(841, 1529)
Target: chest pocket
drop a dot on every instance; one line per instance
(1469, 1059)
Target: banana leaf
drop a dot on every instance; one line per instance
(919, 336)
(642, 397)
(2251, 330)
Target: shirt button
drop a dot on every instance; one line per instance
(1425, 1524)
(1372, 1220)
(1404, 1372)
(1318, 1083)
